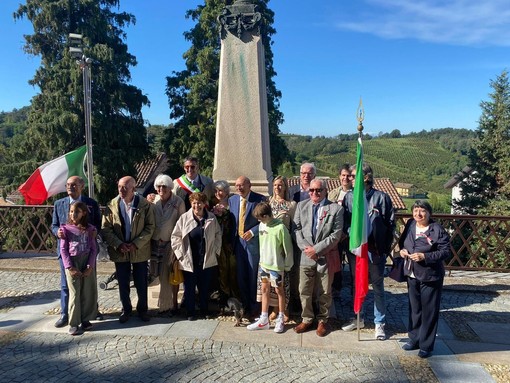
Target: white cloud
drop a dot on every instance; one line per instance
(457, 22)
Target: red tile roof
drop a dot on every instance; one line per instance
(382, 184)
(145, 170)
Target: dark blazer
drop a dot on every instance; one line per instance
(250, 222)
(436, 247)
(329, 230)
(61, 214)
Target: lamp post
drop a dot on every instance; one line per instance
(85, 63)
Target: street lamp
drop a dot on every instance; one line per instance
(75, 40)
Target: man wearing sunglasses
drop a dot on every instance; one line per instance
(318, 229)
(191, 182)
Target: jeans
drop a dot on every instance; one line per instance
(376, 279)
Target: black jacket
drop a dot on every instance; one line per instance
(435, 246)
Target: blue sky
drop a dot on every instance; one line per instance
(416, 64)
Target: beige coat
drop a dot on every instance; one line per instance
(181, 244)
(142, 228)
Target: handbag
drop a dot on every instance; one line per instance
(397, 270)
(176, 277)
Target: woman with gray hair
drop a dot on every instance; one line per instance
(168, 208)
(227, 276)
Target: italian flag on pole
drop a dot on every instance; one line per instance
(358, 240)
(50, 178)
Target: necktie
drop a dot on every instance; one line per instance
(242, 213)
(314, 221)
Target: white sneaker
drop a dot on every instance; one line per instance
(279, 325)
(379, 332)
(258, 325)
(354, 325)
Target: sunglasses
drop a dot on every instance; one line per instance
(315, 190)
(161, 186)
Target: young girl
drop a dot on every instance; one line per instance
(78, 249)
(276, 258)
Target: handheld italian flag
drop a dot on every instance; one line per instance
(50, 178)
(358, 240)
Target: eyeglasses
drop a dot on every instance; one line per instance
(315, 190)
(72, 185)
(161, 186)
(307, 174)
(190, 167)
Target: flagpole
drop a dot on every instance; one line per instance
(360, 116)
(84, 62)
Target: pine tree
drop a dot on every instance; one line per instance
(193, 92)
(487, 190)
(56, 119)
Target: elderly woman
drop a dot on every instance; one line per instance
(168, 208)
(196, 241)
(424, 246)
(283, 208)
(226, 260)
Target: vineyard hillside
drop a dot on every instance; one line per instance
(422, 161)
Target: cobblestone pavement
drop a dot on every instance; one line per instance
(60, 358)
(49, 356)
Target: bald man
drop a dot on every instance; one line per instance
(128, 225)
(246, 243)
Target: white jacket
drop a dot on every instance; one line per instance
(181, 244)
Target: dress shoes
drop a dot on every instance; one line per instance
(303, 327)
(410, 346)
(63, 321)
(124, 317)
(86, 326)
(145, 317)
(424, 354)
(323, 329)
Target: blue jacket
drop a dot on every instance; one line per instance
(435, 246)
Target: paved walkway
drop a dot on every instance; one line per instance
(473, 343)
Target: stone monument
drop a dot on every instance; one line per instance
(242, 130)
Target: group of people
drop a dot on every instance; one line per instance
(284, 252)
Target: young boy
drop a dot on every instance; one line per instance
(275, 258)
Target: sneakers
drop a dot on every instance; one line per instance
(259, 325)
(279, 325)
(354, 325)
(379, 332)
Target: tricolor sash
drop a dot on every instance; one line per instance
(186, 185)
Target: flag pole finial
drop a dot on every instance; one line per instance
(360, 116)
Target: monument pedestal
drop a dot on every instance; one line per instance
(242, 130)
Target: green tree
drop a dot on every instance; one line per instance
(487, 190)
(56, 118)
(193, 92)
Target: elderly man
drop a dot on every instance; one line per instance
(306, 175)
(74, 189)
(382, 222)
(128, 226)
(191, 181)
(246, 242)
(318, 228)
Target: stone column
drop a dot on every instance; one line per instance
(242, 130)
